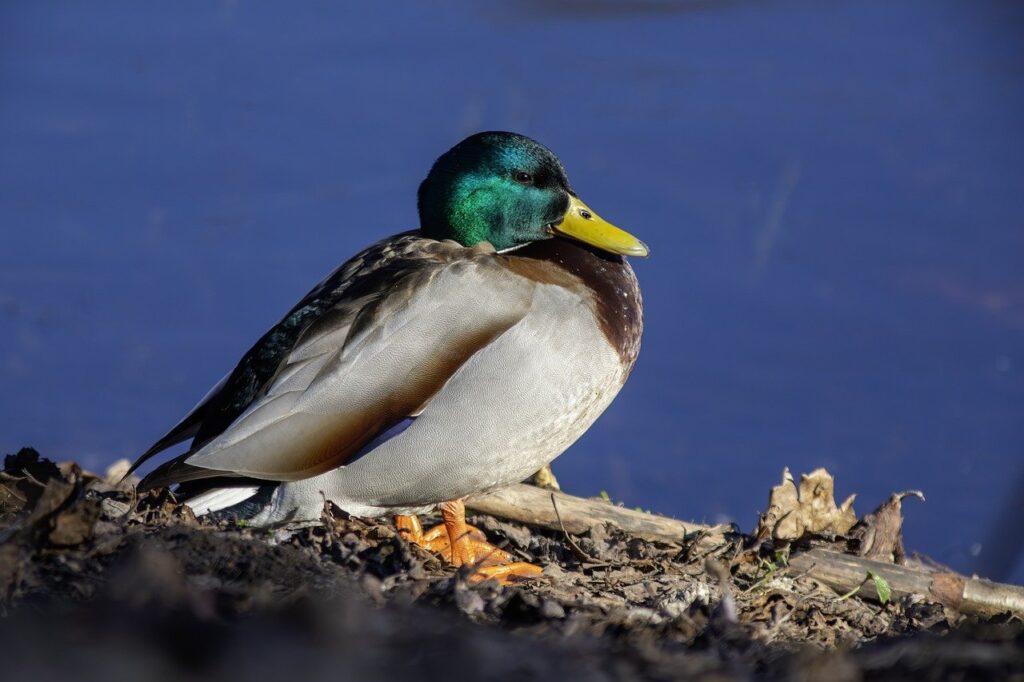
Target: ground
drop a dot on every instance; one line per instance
(98, 583)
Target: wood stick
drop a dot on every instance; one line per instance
(842, 572)
(532, 505)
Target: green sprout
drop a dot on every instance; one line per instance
(882, 588)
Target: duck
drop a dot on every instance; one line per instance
(437, 363)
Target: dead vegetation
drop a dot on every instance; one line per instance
(91, 570)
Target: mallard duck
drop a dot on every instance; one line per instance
(437, 363)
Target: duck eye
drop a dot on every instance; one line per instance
(523, 177)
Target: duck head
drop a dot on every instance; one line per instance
(510, 190)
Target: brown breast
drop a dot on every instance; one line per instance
(608, 279)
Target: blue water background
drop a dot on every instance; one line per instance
(833, 193)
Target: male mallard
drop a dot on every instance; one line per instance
(437, 363)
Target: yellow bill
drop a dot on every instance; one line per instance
(583, 224)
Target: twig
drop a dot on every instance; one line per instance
(576, 549)
(855, 590)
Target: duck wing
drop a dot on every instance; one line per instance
(236, 391)
(366, 349)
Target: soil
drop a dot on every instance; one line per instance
(99, 583)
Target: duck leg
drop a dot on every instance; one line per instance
(437, 539)
(464, 545)
(434, 540)
(486, 560)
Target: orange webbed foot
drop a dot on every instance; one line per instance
(463, 545)
(506, 574)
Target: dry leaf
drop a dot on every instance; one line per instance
(545, 478)
(74, 526)
(880, 533)
(811, 509)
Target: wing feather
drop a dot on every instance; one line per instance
(400, 351)
(319, 321)
(187, 428)
(390, 338)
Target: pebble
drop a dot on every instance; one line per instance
(549, 608)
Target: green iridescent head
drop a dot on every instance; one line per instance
(509, 190)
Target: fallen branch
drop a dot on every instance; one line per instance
(532, 505)
(841, 572)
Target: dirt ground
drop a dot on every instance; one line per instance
(96, 583)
